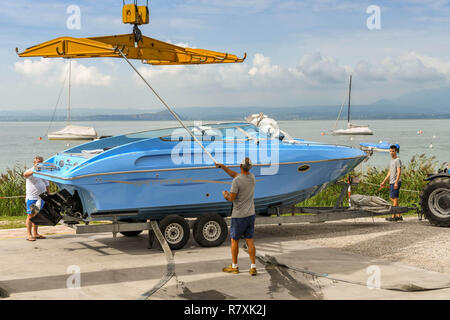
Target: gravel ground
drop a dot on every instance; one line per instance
(411, 242)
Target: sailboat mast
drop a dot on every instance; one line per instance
(68, 108)
(349, 97)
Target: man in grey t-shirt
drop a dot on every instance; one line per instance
(243, 213)
(395, 181)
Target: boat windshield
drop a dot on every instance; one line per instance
(210, 132)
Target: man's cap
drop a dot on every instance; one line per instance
(246, 164)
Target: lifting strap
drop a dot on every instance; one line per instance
(168, 108)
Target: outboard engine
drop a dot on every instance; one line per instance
(59, 205)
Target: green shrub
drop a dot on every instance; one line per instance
(413, 174)
(12, 184)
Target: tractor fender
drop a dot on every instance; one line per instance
(437, 175)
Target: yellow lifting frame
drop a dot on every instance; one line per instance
(148, 50)
(131, 46)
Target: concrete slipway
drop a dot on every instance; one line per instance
(124, 268)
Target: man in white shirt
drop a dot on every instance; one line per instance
(34, 187)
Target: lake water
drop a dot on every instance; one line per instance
(19, 141)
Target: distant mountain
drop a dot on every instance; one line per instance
(381, 109)
(155, 116)
(387, 111)
(429, 100)
(61, 114)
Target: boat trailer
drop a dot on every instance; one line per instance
(209, 230)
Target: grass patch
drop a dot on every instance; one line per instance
(413, 177)
(12, 184)
(12, 222)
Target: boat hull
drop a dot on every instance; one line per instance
(155, 173)
(193, 191)
(353, 132)
(380, 147)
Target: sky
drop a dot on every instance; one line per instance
(299, 53)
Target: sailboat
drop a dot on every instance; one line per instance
(352, 129)
(72, 132)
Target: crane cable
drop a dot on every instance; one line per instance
(57, 102)
(168, 108)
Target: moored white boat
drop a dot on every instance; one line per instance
(72, 132)
(352, 129)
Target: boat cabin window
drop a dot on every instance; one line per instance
(218, 133)
(240, 131)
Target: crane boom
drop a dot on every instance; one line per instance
(148, 50)
(133, 46)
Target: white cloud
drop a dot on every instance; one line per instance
(50, 72)
(316, 79)
(259, 74)
(316, 69)
(406, 67)
(262, 66)
(367, 72)
(32, 68)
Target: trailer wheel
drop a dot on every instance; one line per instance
(435, 202)
(175, 230)
(210, 230)
(131, 233)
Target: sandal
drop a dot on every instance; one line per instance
(31, 239)
(40, 237)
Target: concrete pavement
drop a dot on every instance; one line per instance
(69, 266)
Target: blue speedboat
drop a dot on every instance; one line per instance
(383, 146)
(160, 172)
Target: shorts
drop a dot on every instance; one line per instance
(242, 227)
(30, 202)
(394, 193)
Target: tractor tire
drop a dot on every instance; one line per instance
(435, 201)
